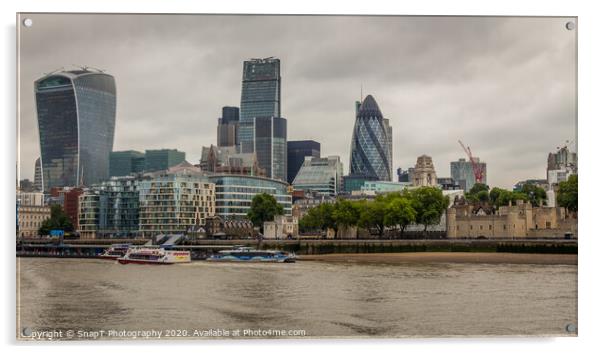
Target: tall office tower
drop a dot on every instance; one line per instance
(270, 145)
(124, 163)
(561, 165)
(371, 145)
(38, 185)
(158, 160)
(76, 121)
(462, 172)
(227, 127)
(260, 97)
(296, 152)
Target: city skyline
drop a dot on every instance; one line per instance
(517, 72)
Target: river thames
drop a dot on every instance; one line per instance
(90, 298)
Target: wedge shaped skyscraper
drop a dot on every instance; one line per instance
(371, 144)
(76, 121)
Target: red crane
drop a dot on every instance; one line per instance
(476, 168)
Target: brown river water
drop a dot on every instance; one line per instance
(99, 299)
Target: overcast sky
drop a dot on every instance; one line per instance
(505, 86)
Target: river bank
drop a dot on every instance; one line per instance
(444, 257)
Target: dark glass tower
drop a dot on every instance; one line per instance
(159, 160)
(227, 127)
(296, 152)
(270, 145)
(371, 143)
(76, 121)
(260, 96)
(124, 163)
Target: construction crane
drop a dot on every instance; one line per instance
(476, 168)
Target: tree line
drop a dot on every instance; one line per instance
(566, 196)
(481, 194)
(424, 205)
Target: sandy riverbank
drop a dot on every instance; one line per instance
(444, 257)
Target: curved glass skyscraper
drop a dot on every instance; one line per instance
(371, 144)
(76, 121)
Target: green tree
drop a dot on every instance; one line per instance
(567, 194)
(372, 214)
(400, 213)
(494, 195)
(263, 208)
(502, 197)
(429, 203)
(483, 196)
(311, 221)
(58, 221)
(346, 213)
(535, 195)
(477, 193)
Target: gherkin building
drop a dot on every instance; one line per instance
(371, 144)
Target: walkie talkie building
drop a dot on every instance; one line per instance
(371, 144)
(76, 121)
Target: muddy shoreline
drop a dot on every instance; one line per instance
(444, 257)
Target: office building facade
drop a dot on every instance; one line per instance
(296, 153)
(110, 210)
(30, 219)
(371, 148)
(159, 160)
(260, 96)
(462, 172)
(76, 121)
(227, 127)
(233, 194)
(321, 175)
(561, 165)
(125, 163)
(175, 200)
(270, 146)
(385, 186)
(38, 185)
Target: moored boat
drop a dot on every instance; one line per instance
(117, 250)
(249, 254)
(154, 255)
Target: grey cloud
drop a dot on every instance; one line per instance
(506, 86)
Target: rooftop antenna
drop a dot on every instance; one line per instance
(361, 92)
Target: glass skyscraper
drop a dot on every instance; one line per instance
(463, 174)
(227, 127)
(270, 145)
(371, 144)
(260, 96)
(124, 163)
(76, 121)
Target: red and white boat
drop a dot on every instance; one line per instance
(154, 255)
